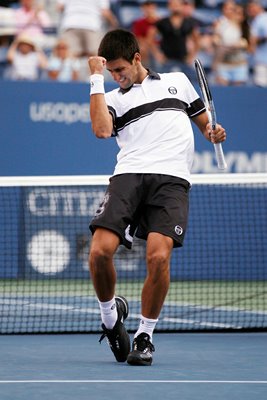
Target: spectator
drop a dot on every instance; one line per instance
(189, 12)
(8, 3)
(7, 31)
(231, 40)
(26, 59)
(115, 6)
(258, 25)
(61, 65)
(83, 23)
(176, 31)
(140, 28)
(4, 45)
(32, 20)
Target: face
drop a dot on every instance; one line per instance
(253, 9)
(123, 72)
(175, 6)
(229, 9)
(27, 3)
(149, 10)
(61, 50)
(25, 48)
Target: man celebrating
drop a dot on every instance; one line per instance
(147, 196)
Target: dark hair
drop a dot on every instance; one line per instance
(118, 43)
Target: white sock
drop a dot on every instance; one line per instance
(146, 326)
(109, 313)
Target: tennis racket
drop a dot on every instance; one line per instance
(208, 101)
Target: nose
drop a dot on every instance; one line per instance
(115, 76)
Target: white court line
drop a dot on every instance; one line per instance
(135, 381)
(16, 301)
(93, 310)
(175, 320)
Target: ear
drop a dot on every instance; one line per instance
(137, 57)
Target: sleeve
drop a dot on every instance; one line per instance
(113, 114)
(105, 4)
(61, 2)
(111, 104)
(45, 19)
(194, 102)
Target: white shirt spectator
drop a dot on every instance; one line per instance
(26, 59)
(83, 24)
(25, 67)
(65, 68)
(258, 17)
(83, 14)
(259, 30)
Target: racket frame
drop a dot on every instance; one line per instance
(209, 104)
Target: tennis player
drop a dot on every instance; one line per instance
(149, 114)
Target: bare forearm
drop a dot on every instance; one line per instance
(100, 116)
(11, 52)
(102, 123)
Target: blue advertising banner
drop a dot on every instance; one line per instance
(48, 235)
(11, 233)
(57, 233)
(46, 130)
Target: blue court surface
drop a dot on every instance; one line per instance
(187, 366)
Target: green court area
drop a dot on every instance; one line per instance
(250, 295)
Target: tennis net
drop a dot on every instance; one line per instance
(218, 279)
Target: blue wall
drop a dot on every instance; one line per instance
(44, 233)
(11, 239)
(46, 130)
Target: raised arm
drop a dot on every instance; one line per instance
(102, 124)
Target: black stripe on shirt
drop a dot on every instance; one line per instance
(166, 104)
(113, 114)
(196, 108)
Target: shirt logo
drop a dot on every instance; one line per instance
(172, 90)
(178, 230)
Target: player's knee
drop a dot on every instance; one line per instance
(99, 257)
(158, 262)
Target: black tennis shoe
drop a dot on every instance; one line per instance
(141, 353)
(118, 338)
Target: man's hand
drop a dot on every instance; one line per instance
(215, 136)
(97, 64)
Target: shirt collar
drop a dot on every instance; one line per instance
(151, 75)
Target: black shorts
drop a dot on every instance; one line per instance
(137, 204)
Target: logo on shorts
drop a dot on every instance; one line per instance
(172, 90)
(178, 230)
(102, 206)
(128, 236)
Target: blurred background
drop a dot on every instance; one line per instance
(44, 95)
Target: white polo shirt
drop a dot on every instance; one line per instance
(152, 125)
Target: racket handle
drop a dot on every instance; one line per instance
(220, 156)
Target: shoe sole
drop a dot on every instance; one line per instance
(134, 359)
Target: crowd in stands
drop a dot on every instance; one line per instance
(52, 39)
